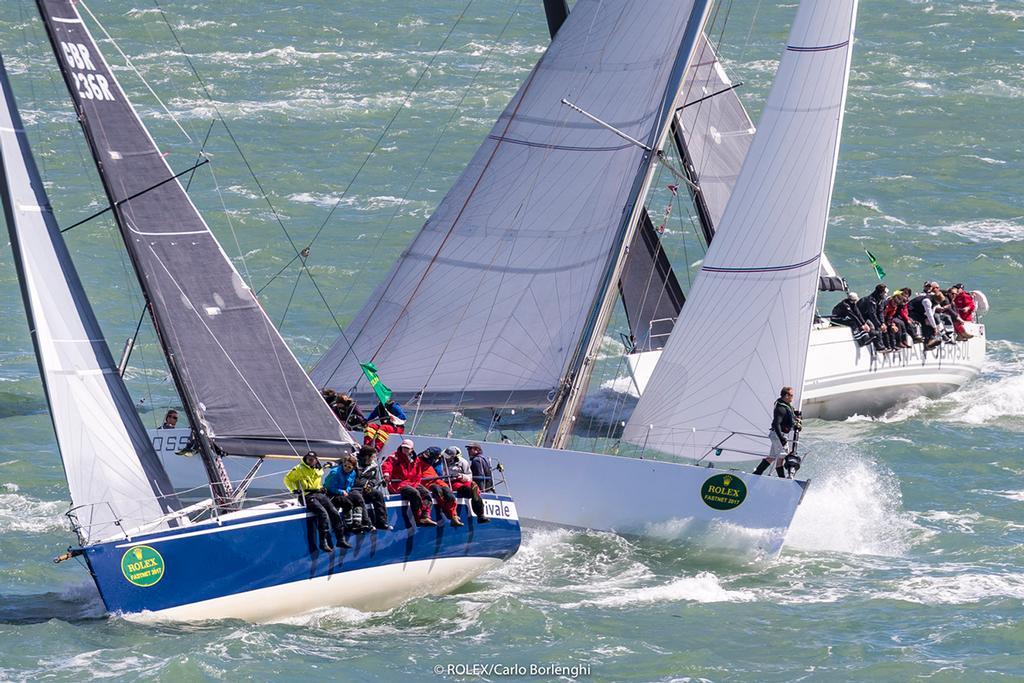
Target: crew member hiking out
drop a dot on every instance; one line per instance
(480, 467)
(305, 480)
(403, 475)
(370, 482)
(340, 483)
(435, 480)
(462, 481)
(784, 421)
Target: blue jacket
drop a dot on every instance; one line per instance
(337, 481)
(392, 408)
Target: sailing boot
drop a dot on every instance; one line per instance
(452, 513)
(354, 521)
(762, 467)
(325, 540)
(781, 471)
(478, 510)
(339, 537)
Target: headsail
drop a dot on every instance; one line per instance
(650, 291)
(114, 476)
(233, 370)
(486, 306)
(744, 330)
(714, 132)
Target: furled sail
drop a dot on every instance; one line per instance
(486, 305)
(744, 330)
(114, 476)
(236, 376)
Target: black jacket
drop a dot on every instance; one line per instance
(783, 420)
(846, 313)
(872, 308)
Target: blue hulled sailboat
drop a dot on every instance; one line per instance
(242, 388)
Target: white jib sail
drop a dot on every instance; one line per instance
(113, 474)
(743, 333)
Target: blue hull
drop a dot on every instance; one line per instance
(267, 554)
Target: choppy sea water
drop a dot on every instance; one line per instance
(906, 559)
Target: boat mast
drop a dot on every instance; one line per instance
(562, 413)
(215, 471)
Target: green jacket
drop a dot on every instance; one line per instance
(302, 477)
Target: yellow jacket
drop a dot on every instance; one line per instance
(302, 477)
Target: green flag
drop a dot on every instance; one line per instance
(370, 370)
(874, 264)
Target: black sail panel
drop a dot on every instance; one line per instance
(650, 291)
(236, 375)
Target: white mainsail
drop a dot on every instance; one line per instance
(486, 306)
(744, 330)
(115, 479)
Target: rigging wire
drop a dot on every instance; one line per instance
(248, 165)
(405, 101)
(437, 143)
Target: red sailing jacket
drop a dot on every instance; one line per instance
(403, 471)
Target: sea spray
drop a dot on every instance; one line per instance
(853, 505)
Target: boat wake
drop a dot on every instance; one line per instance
(995, 397)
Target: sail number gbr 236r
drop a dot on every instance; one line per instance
(91, 86)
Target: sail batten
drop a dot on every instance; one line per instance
(756, 291)
(239, 381)
(114, 477)
(493, 292)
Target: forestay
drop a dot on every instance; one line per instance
(487, 304)
(744, 330)
(114, 476)
(235, 373)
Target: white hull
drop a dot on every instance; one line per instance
(844, 379)
(374, 589)
(583, 490)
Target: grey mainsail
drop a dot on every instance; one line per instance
(486, 306)
(237, 377)
(115, 479)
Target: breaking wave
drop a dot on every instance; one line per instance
(987, 230)
(23, 513)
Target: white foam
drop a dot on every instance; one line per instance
(855, 506)
(703, 588)
(996, 230)
(956, 589)
(996, 395)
